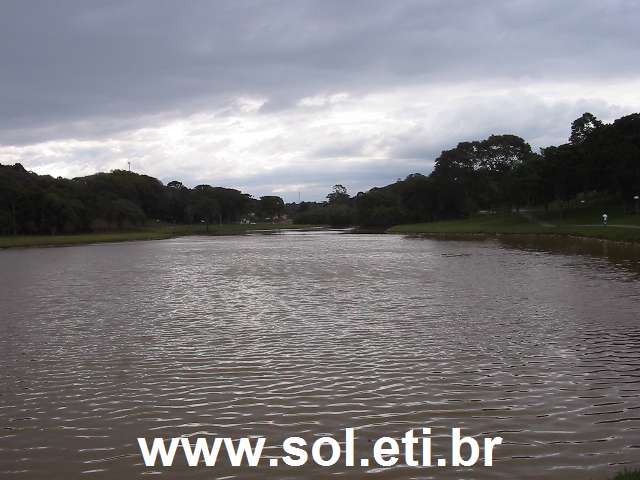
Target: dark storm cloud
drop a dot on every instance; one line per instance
(90, 68)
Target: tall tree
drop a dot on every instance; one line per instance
(582, 127)
(271, 206)
(338, 195)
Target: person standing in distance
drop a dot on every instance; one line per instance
(605, 217)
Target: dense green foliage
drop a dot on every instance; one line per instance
(501, 174)
(40, 204)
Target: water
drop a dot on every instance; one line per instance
(281, 335)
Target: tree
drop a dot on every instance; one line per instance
(378, 207)
(499, 157)
(37, 204)
(271, 206)
(177, 196)
(175, 185)
(582, 127)
(205, 205)
(10, 188)
(338, 195)
(123, 212)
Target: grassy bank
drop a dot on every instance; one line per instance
(628, 475)
(156, 232)
(624, 228)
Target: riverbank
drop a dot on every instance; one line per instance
(620, 229)
(628, 475)
(623, 229)
(156, 232)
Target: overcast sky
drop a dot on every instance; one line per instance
(294, 96)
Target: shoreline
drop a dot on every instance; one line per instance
(449, 229)
(496, 226)
(158, 233)
(498, 235)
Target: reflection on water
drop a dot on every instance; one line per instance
(308, 334)
(625, 255)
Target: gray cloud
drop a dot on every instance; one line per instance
(98, 70)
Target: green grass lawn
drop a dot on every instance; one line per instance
(590, 215)
(519, 224)
(156, 232)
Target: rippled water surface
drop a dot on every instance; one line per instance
(308, 334)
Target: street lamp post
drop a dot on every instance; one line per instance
(637, 199)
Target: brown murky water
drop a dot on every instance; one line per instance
(308, 334)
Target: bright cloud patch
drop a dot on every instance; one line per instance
(360, 141)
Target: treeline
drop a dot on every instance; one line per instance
(500, 173)
(41, 204)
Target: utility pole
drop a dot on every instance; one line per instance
(129, 165)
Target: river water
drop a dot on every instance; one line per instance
(306, 334)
